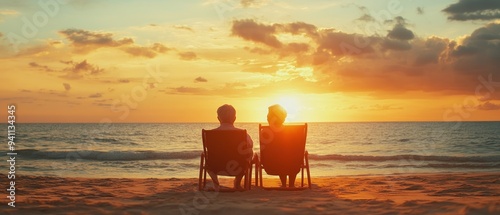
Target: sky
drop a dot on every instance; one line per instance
(178, 61)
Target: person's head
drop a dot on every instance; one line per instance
(226, 114)
(276, 115)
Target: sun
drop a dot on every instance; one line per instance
(292, 106)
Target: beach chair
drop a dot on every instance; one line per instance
(282, 151)
(225, 153)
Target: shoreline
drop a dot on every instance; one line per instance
(430, 193)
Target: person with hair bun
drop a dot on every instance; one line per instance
(276, 117)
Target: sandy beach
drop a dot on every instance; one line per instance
(467, 193)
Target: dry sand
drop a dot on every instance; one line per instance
(472, 193)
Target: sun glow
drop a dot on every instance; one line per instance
(292, 105)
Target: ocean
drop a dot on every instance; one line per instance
(166, 150)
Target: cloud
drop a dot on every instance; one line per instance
(488, 106)
(398, 37)
(429, 51)
(187, 90)
(366, 18)
(95, 95)
(296, 47)
(299, 28)
(149, 52)
(396, 44)
(334, 42)
(140, 51)
(55, 43)
(183, 27)
(264, 34)
(67, 87)
(380, 65)
(490, 97)
(160, 48)
(41, 67)
(340, 43)
(57, 93)
(200, 79)
(85, 41)
(85, 67)
(187, 55)
(253, 3)
(258, 50)
(399, 31)
(103, 102)
(250, 30)
(420, 10)
(79, 70)
(478, 52)
(465, 10)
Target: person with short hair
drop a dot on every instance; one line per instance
(226, 114)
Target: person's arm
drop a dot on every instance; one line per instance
(249, 142)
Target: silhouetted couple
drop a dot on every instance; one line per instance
(226, 114)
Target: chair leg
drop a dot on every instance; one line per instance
(257, 164)
(249, 171)
(308, 171)
(260, 176)
(204, 177)
(256, 175)
(302, 175)
(200, 187)
(249, 178)
(245, 182)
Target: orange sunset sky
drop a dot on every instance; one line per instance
(177, 61)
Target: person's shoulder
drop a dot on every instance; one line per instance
(230, 128)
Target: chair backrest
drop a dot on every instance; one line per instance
(282, 149)
(226, 151)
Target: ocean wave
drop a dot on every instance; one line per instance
(354, 158)
(194, 154)
(429, 165)
(106, 155)
(82, 140)
(106, 140)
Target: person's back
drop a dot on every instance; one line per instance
(226, 114)
(282, 150)
(276, 118)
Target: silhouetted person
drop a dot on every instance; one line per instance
(276, 117)
(226, 114)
